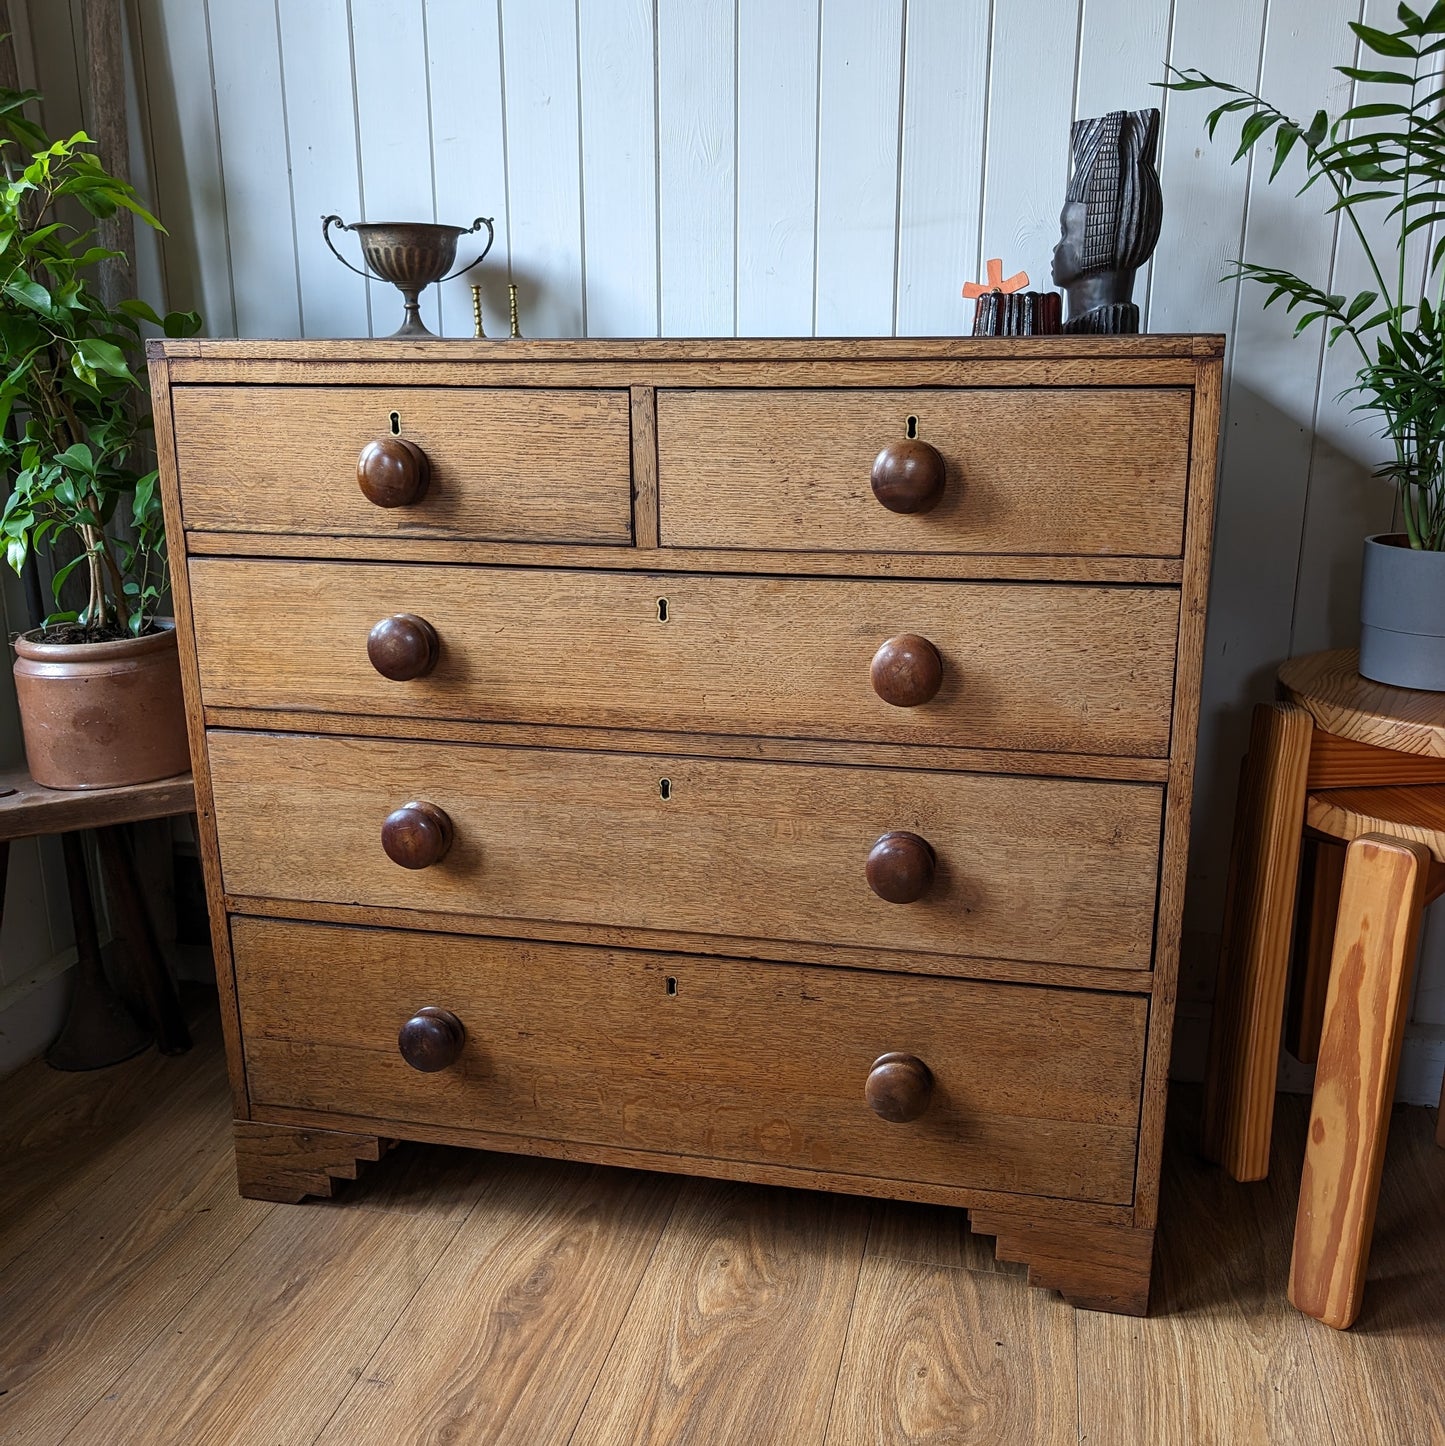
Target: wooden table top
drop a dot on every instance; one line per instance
(1343, 703)
(27, 809)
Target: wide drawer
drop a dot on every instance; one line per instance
(1034, 1090)
(1039, 869)
(1089, 471)
(506, 463)
(1026, 666)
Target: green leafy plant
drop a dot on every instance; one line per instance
(1389, 155)
(73, 419)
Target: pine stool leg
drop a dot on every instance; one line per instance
(1381, 903)
(1254, 958)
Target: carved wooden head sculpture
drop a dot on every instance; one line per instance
(1110, 221)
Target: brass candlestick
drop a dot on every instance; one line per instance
(512, 302)
(477, 328)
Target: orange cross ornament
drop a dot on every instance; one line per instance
(1016, 282)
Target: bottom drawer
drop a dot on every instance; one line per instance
(1033, 1090)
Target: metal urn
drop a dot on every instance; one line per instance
(409, 254)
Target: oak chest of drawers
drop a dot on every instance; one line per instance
(769, 760)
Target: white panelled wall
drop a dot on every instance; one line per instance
(786, 167)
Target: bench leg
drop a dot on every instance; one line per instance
(1381, 903)
(1320, 879)
(1259, 911)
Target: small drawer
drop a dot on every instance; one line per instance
(1085, 472)
(1006, 1087)
(509, 464)
(952, 864)
(1042, 667)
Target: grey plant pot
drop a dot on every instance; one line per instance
(1402, 614)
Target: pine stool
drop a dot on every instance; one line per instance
(1351, 774)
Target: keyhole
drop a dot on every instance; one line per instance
(671, 985)
(396, 424)
(664, 787)
(912, 427)
(662, 609)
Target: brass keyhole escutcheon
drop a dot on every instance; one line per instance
(912, 432)
(664, 788)
(395, 424)
(662, 609)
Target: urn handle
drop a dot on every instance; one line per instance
(431, 1039)
(416, 835)
(899, 1088)
(900, 867)
(907, 671)
(909, 476)
(392, 472)
(402, 647)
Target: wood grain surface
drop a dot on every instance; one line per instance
(531, 351)
(28, 808)
(1371, 971)
(697, 745)
(1034, 1090)
(1412, 811)
(1223, 1358)
(1321, 872)
(165, 440)
(244, 1342)
(1343, 703)
(488, 367)
(1096, 471)
(286, 1165)
(545, 465)
(738, 1328)
(1179, 799)
(533, 1288)
(1052, 668)
(1259, 911)
(643, 841)
(943, 1355)
(1002, 567)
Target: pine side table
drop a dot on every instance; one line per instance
(1339, 845)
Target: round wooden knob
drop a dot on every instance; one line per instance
(403, 646)
(900, 867)
(898, 1088)
(392, 472)
(417, 835)
(909, 476)
(907, 671)
(431, 1039)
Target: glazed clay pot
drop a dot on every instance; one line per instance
(99, 715)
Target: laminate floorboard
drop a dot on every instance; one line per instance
(1223, 1359)
(532, 1289)
(972, 1358)
(450, 1296)
(737, 1331)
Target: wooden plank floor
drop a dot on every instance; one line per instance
(455, 1297)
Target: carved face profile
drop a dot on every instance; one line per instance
(1112, 210)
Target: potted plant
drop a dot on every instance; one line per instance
(1385, 156)
(98, 684)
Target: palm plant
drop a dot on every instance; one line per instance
(1388, 156)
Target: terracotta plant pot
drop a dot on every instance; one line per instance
(1402, 614)
(99, 715)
